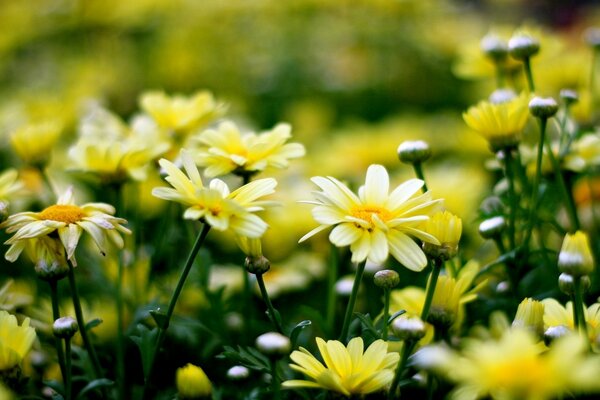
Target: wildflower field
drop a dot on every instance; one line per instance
(300, 199)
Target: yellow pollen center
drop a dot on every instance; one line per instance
(366, 213)
(63, 213)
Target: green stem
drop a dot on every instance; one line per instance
(167, 318)
(499, 75)
(271, 310)
(275, 386)
(360, 269)
(407, 350)
(81, 322)
(512, 198)
(500, 244)
(68, 379)
(56, 315)
(436, 267)
(566, 193)
(529, 74)
(579, 307)
(386, 313)
(536, 183)
(332, 275)
(418, 167)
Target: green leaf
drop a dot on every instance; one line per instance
(93, 323)
(395, 315)
(160, 318)
(367, 324)
(296, 331)
(93, 385)
(248, 357)
(146, 341)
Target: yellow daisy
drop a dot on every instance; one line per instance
(68, 221)
(33, 142)
(226, 150)
(15, 340)
(555, 314)
(348, 369)
(215, 204)
(375, 223)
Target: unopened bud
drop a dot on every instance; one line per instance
(65, 327)
(257, 265)
(494, 47)
(543, 107)
(3, 211)
(566, 283)
(238, 373)
(575, 257)
(273, 344)
(387, 279)
(522, 46)
(414, 151)
(52, 270)
(503, 95)
(569, 96)
(492, 205)
(492, 227)
(412, 329)
(555, 332)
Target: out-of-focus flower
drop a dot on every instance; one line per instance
(10, 187)
(517, 366)
(376, 222)
(500, 124)
(294, 273)
(192, 383)
(348, 370)
(15, 295)
(179, 114)
(447, 228)
(33, 142)
(530, 315)
(215, 204)
(583, 154)
(15, 340)
(555, 314)
(575, 256)
(68, 221)
(226, 150)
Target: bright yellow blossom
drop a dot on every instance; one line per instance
(575, 256)
(530, 315)
(500, 124)
(226, 150)
(376, 222)
(192, 383)
(15, 340)
(348, 369)
(447, 228)
(555, 314)
(33, 142)
(68, 220)
(215, 204)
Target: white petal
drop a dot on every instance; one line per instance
(345, 234)
(403, 192)
(406, 251)
(379, 247)
(377, 185)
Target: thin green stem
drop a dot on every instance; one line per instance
(275, 384)
(436, 267)
(407, 349)
(418, 167)
(56, 315)
(81, 322)
(360, 269)
(332, 276)
(167, 317)
(386, 313)
(68, 379)
(499, 75)
(536, 183)
(500, 244)
(579, 307)
(529, 74)
(512, 197)
(271, 310)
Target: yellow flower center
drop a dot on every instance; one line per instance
(366, 213)
(63, 213)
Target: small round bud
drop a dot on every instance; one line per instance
(492, 227)
(555, 332)
(414, 151)
(522, 46)
(569, 96)
(492, 205)
(503, 95)
(52, 270)
(234, 321)
(65, 327)
(412, 329)
(543, 107)
(3, 211)
(343, 287)
(566, 283)
(387, 279)
(503, 287)
(592, 37)
(494, 47)
(257, 265)
(273, 344)
(238, 373)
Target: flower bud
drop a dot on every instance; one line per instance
(411, 329)
(492, 227)
(238, 373)
(555, 332)
(387, 279)
(273, 344)
(3, 211)
(569, 96)
(447, 228)
(543, 107)
(503, 95)
(257, 265)
(494, 47)
(445, 302)
(575, 257)
(51, 270)
(530, 315)
(192, 383)
(414, 151)
(522, 46)
(65, 327)
(566, 283)
(492, 205)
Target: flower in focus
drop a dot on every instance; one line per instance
(517, 366)
(68, 221)
(33, 142)
(215, 204)
(226, 150)
(180, 114)
(447, 228)
(575, 257)
(500, 124)
(376, 222)
(348, 369)
(15, 340)
(192, 383)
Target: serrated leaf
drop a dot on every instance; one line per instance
(146, 342)
(297, 330)
(93, 385)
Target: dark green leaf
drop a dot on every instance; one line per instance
(93, 385)
(146, 342)
(297, 329)
(395, 315)
(160, 318)
(93, 323)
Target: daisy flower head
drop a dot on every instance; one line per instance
(215, 204)
(15, 340)
(375, 223)
(66, 221)
(226, 149)
(349, 370)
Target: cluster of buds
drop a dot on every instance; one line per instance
(575, 262)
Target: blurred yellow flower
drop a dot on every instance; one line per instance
(530, 315)
(181, 114)
(294, 273)
(575, 256)
(68, 221)
(215, 204)
(34, 142)
(555, 314)
(192, 383)
(15, 340)
(376, 222)
(226, 149)
(500, 124)
(583, 154)
(10, 184)
(348, 370)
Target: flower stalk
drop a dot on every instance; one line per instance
(360, 269)
(272, 312)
